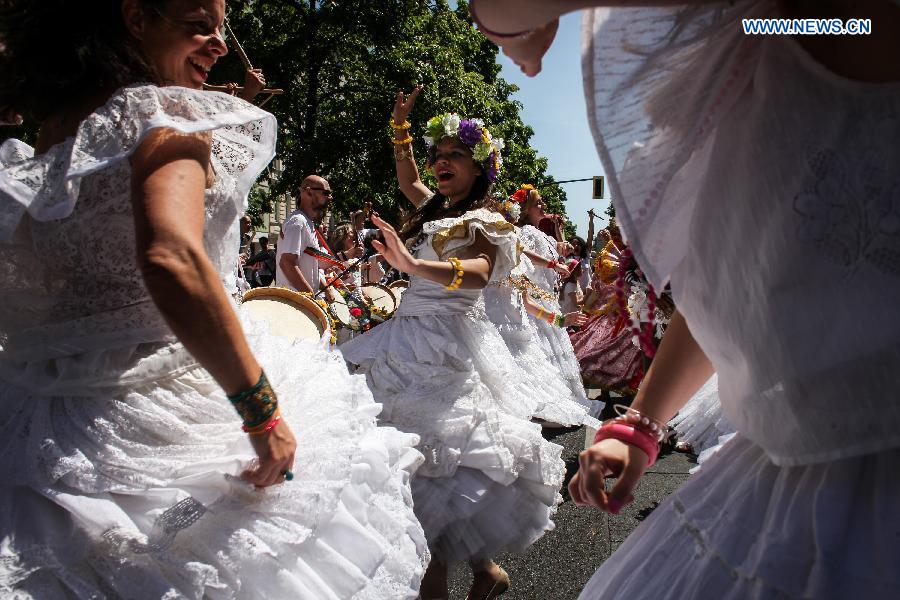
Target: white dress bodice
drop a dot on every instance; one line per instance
(543, 245)
(442, 237)
(71, 280)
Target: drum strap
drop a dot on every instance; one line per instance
(323, 257)
(322, 241)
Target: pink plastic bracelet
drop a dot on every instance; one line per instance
(631, 435)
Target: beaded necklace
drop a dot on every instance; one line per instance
(643, 336)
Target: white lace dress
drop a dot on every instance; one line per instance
(118, 453)
(766, 189)
(555, 403)
(490, 481)
(554, 340)
(701, 421)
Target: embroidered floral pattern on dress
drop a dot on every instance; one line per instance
(76, 284)
(111, 430)
(850, 204)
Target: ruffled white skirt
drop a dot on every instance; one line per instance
(744, 528)
(557, 348)
(127, 487)
(554, 401)
(451, 380)
(702, 422)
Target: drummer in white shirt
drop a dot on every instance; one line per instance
(295, 269)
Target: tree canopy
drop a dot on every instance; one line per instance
(341, 63)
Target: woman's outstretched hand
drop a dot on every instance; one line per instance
(392, 249)
(575, 319)
(608, 458)
(9, 116)
(561, 269)
(404, 104)
(528, 51)
(275, 450)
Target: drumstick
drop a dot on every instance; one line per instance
(225, 88)
(238, 47)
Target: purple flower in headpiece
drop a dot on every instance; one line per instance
(492, 168)
(469, 133)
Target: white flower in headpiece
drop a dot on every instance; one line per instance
(481, 152)
(515, 211)
(451, 124)
(479, 122)
(500, 144)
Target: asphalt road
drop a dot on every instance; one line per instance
(558, 565)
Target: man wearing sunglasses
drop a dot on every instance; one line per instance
(295, 269)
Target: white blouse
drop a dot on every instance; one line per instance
(71, 281)
(767, 190)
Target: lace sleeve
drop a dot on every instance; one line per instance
(529, 240)
(656, 81)
(535, 240)
(12, 153)
(47, 186)
(453, 234)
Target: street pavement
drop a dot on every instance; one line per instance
(558, 565)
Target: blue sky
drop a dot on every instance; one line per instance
(554, 107)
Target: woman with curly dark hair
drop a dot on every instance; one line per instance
(125, 472)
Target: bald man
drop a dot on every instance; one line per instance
(295, 269)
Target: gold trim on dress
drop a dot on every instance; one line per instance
(460, 231)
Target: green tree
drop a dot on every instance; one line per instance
(341, 64)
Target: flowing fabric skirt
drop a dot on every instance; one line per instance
(701, 422)
(607, 358)
(745, 528)
(120, 481)
(490, 482)
(558, 352)
(554, 401)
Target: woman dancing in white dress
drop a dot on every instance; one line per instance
(687, 112)
(442, 371)
(510, 308)
(124, 472)
(546, 255)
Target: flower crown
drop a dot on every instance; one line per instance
(521, 194)
(471, 132)
(508, 207)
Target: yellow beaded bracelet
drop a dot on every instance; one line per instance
(457, 274)
(407, 140)
(402, 127)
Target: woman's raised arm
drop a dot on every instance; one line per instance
(407, 171)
